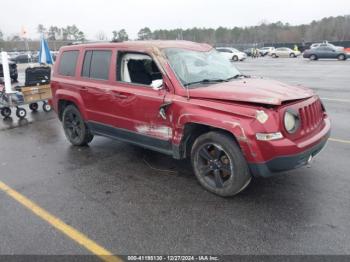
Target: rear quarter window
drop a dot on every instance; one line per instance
(68, 63)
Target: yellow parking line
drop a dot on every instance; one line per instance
(69, 231)
(339, 140)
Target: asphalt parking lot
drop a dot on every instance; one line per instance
(134, 201)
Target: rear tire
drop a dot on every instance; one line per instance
(219, 164)
(75, 129)
(313, 57)
(274, 55)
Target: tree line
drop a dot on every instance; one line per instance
(329, 28)
(70, 32)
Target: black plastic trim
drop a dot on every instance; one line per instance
(285, 163)
(124, 135)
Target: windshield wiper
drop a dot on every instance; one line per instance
(236, 76)
(206, 81)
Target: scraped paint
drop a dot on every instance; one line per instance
(161, 132)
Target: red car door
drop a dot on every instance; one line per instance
(137, 114)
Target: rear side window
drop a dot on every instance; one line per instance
(96, 64)
(68, 63)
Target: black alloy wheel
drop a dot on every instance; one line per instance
(214, 165)
(219, 164)
(75, 128)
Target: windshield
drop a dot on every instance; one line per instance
(195, 67)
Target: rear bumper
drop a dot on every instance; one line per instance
(285, 163)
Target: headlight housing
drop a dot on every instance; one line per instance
(291, 121)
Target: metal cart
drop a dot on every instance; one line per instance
(26, 95)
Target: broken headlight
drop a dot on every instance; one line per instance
(291, 121)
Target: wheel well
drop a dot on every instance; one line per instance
(192, 131)
(62, 104)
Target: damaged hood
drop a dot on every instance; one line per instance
(252, 90)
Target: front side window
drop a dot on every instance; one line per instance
(96, 64)
(138, 68)
(325, 48)
(234, 50)
(68, 63)
(195, 66)
(224, 50)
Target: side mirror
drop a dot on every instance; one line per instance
(157, 84)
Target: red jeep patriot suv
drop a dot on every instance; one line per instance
(185, 99)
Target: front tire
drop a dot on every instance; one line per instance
(235, 58)
(292, 55)
(341, 57)
(75, 128)
(219, 164)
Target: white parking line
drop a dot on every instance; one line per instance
(336, 99)
(339, 140)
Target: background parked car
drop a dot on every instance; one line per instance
(326, 44)
(267, 50)
(325, 52)
(232, 53)
(284, 52)
(22, 58)
(13, 54)
(13, 71)
(54, 55)
(249, 51)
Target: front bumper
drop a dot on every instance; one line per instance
(285, 163)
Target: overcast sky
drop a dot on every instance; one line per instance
(92, 16)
